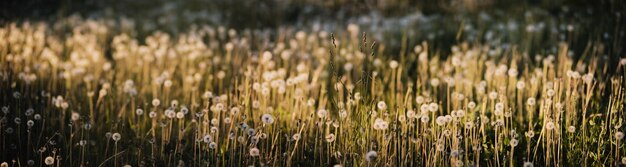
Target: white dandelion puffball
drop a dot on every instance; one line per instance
(381, 105)
(116, 137)
(432, 107)
(619, 135)
(441, 120)
(425, 119)
(471, 105)
(571, 129)
(393, 64)
(296, 136)
(180, 115)
(254, 152)
(322, 113)
(156, 102)
(267, 119)
(330, 138)
(380, 124)
(370, 156)
(514, 142)
(530, 101)
(528, 164)
(49, 160)
(550, 125)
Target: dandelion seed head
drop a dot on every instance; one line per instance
(619, 135)
(116, 137)
(330, 138)
(371, 156)
(528, 164)
(571, 129)
(156, 102)
(425, 119)
(267, 119)
(322, 113)
(381, 105)
(441, 120)
(514, 142)
(254, 152)
(471, 105)
(550, 125)
(49, 160)
(432, 107)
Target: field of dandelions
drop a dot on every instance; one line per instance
(90, 92)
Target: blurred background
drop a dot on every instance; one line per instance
(526, 23)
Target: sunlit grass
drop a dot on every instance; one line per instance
(214, 96)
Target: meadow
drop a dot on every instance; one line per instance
(102, 92)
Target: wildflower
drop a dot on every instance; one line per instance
(254, 152)
(393, 64)
(550, 92)
(460, 113)
(471, 105)
(234, 111)
(425, 119)
(370, 156)
(419, 99)
(528, 164)
(251, 132)
(207, 138)
(380, 124)
(152, 114)
(432, 107)
(424, 108)
(434, 82)
(322, 113)
(520, 85)
(441, 120)
(75, 116)
(296, 136)
(619, 135)
(267, 119)
(139, 111)
(156, 102)
(212, 145)
(530, 101)
(4, 164)
(381, 105)
(493, 95)
(49, 161)
(550, 125)
(116, 137)
(330, 138)
(411, 114)
(170, 113)
(530, 134)
(571, 129)
(180, 115)
(469, 125)
(514, 142)
(624, 158)
(30, 123)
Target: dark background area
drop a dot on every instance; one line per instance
(272, 13)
